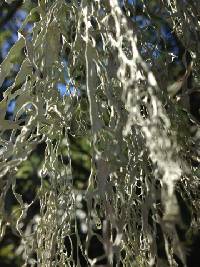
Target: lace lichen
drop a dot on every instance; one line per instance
(136, 160)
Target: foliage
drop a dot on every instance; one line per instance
(118, 162)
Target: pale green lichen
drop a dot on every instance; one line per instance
(135, 159)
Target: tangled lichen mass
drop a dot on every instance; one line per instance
(138, 151)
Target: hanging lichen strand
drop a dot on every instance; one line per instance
(113, 102)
